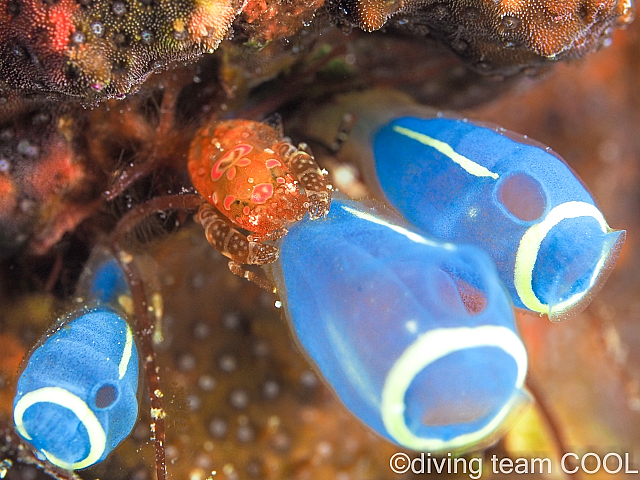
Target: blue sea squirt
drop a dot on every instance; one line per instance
(416, 336)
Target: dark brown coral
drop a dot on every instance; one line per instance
(504, 36)
(97, 49)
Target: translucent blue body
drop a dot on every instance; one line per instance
(76, 398)
(465, 182)
(102, 281)
(416, 336)
(108, 282)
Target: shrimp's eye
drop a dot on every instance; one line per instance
(522, 196)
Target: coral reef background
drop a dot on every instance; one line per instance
(241, 400)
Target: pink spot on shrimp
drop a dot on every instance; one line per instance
(262, 192)
(231, 173)
(228, 200)
(280, 180)
(272, 162)
(229, 159)
(246, 210)
(218, 169)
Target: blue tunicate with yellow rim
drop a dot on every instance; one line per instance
(77, 397)
(521, 203)
(470, 182)
(416, 336)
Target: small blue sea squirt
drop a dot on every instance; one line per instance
(76, 398)
(416, 336)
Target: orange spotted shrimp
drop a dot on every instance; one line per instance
(254, 179)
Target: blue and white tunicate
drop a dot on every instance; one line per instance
(77, 397)
(416, 336)
(472, 183)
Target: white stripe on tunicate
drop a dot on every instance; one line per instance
(414, 237)
(428, 348)
(468, 165)
(70, 401)
(529, 247)
(126, 353)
